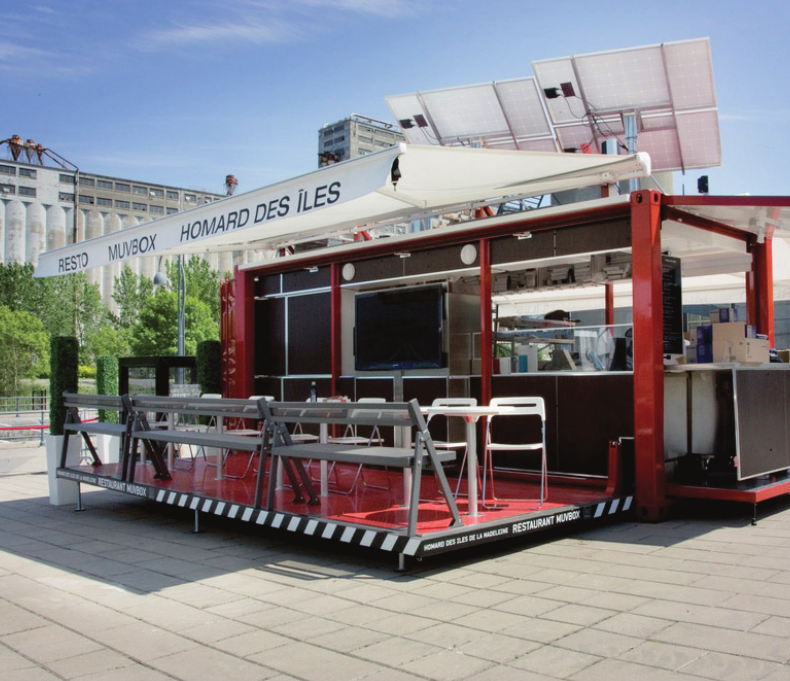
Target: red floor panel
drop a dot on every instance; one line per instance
(366, 505)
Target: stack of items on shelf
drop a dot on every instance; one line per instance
(726, 340)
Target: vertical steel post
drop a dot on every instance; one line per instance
(648, 355)
(608, 303)
(762, 280)
(629, 122)
(486, 316)
(244, 333)
(182, 300)
(336, 330)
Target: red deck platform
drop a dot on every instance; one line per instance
(369, 516)
(751, 491)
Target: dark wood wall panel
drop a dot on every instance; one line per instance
(309, 334)
(267, 286)
(386, 267)
(593, 410)
(270, 337)
(527, 429)
(600, 237)
(305, 280)
(435, 260)
(511, 249)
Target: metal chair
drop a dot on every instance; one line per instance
(352, 436)
(212, 424)
(515, 407)
(460, 444)
(298, 435)
(191, 424)
(251, 432)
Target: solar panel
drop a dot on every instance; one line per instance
(503, 115)
(669, 87)
(578, 102)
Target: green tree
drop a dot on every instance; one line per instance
(84, 304)
(157, 331)
(16, 282)
(130, 293)
(201, 282)
(58, 302)
(24, 349)
(107, 340)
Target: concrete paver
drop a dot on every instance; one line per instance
(125, 591)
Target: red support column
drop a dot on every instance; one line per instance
(751, 302)
(648, 355)
(226, 333)
(763, 282)
(336, 340)
(244, 333)
(486, 316)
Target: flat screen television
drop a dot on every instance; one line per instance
(399, 329)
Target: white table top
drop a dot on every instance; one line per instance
(458, 410)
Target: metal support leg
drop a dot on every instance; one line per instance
(401, 562)
(79, 499)
(197, 521)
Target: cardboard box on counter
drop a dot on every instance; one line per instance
(724, 315)
(744, 351)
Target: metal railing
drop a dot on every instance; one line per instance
(24, 417)
(38, 401)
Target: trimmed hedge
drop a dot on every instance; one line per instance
(209, 366)
(63, 363)
(107, 384)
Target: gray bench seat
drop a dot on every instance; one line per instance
(97, 427)
(393, 457)
(197, 438)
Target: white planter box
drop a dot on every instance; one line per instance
(62, 492)
(108, 447)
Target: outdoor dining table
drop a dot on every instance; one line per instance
(470, 415)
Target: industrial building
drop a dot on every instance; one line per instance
(44, 207)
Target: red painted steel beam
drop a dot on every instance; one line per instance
(336, 341)
(706, 224)
(707, 200)
(244, 334)
(648, 355)
(486, 315)
(763, 287)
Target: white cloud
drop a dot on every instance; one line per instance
(254, 32)
(386, 8)
(18, 59)
(756, 115)
(260, 22)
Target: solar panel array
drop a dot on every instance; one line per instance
(506, 114)
(576, 103)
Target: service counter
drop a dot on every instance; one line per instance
(726, 423)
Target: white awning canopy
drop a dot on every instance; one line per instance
(398, 184)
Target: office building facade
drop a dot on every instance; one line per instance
(355, 136)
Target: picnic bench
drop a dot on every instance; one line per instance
(281, 417)
(158, 422)
(74, 423)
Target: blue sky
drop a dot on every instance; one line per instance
(184, 92)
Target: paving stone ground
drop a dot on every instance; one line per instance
(125, 591)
